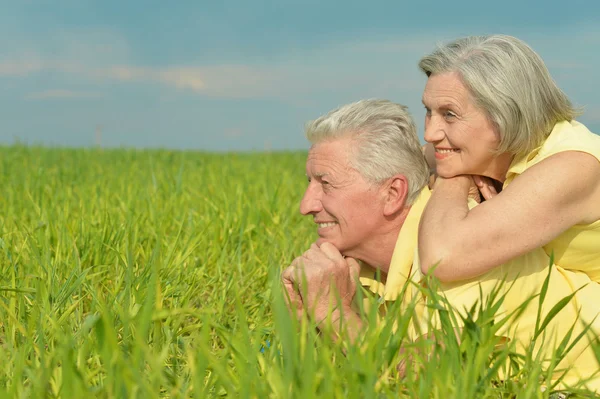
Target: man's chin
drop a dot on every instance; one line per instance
(321, 240)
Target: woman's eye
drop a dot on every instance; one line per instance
(427, 112)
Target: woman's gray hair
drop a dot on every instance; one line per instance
(386, 141)
(510, 82)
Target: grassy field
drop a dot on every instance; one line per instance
(141, 274)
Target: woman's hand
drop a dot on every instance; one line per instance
(429, 153)
(486, 187)
(473, 192)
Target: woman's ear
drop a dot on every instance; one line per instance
(395, 195)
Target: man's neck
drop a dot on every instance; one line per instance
(378, 251)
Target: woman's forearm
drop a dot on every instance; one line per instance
(440, 221)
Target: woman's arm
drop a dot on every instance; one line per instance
(559, 192)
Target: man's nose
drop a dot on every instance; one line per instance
(434, 130)
(311, 201)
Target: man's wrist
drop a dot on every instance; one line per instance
(333, 315)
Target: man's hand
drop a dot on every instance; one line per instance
(318, 278)
(293, 297)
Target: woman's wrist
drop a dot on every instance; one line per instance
(461, 182)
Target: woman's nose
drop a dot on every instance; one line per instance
(434, 130)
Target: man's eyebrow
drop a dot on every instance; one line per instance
(317, 175)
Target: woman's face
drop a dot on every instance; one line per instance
(463, 137)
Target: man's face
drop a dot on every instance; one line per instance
(347, 209)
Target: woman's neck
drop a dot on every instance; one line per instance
(499, 166)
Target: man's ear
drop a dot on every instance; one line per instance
(395, 195)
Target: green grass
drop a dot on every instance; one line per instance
(140, 274)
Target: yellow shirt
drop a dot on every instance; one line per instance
(401, 265)
(523, 276)
(578, 248)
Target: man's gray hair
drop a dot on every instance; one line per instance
(386, 141)
(508, 81)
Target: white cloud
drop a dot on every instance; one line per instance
(374, 67)
(179, 77)
(226, 80)
(20, 68)
(59, 94)
(104, 55)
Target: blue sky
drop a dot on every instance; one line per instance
(233, 75)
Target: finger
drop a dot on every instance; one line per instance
(474, 190)
(485, 192)
(291, 290)
(354, 267)
(475, 195)
(293, 300)
(294, 272)
(296, 261)
(296, 269)
(313, 252)
(291, 276)
(312, 256)
(331, 252)
(492, 187)
(488, 190)
(431, 181)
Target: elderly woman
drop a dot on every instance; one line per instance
(495, 117)
(494, 114)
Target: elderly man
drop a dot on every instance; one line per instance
(367, 188)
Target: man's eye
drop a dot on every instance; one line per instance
(326, 185)
(449, 115)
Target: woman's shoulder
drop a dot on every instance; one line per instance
(565, 136)
(570, 136)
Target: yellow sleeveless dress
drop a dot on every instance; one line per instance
(578, 248)
(576, 251)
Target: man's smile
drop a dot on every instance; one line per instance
(325, 225)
